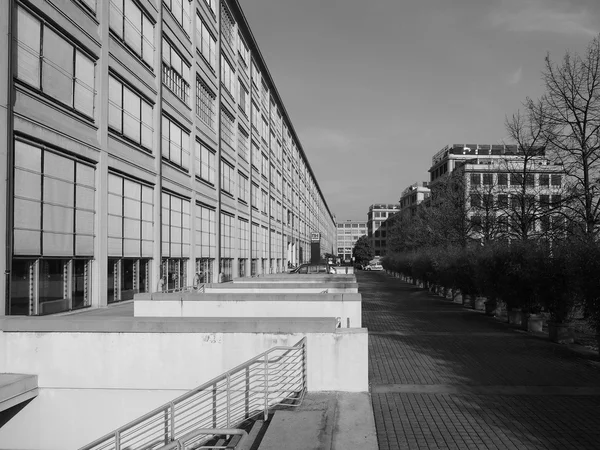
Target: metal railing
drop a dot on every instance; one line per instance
(199, 288)
(275, 377)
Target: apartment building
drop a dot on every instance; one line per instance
(146, 143)
(348, 233)
(377, 225)
(507, 193)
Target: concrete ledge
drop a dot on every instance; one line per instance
(97, 324)
(344, 287)
(346, 307)
(297, 278)
(249, 296)
(16, 388)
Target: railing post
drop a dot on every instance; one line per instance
(215, 406)
(167, 421)
(266, 412)
(247, 395)
(228, 399)
(117, 440)
(172, 408)
(305, 364)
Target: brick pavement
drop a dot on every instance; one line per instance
(443, 377)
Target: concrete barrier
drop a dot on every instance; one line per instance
(95, 374)
(291, 288)
(346, 307)
(298, 278)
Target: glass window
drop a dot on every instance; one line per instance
(176, 226)
(67, 75)
(176, 72)
(181, 11)
(228, 79)
(129, 114)
(205, 105)
(205, 163)
(227, 180)
(227, 26)
(206, 42)
(175, 143)
(206, 234)
(227, 127)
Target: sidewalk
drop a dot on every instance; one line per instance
(444, 377)
(324, 421)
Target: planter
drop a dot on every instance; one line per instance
(515, 317)
(468, 301)
(560, 333)
(490, 308)
(480, 303)
(535, 324)
(457, 298)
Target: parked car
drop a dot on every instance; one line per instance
(314, 268)
(374, 267)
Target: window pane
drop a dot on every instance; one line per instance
(116, 17)
(28, 157)
(148, 41)
(115, 104)
(57, 70)
(28, 50)
(58, 218)
(84, 245)
(131, 115)
(27, 214)
(59, 167)
(56, 244)
(84, 222)
(84, 84)
(28, 185)
(147, 129)
(131, 229)
(58, 192)
(133, 26)
(131, 208)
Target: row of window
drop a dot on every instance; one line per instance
(52, 64)
(490, 201)
(516, 179)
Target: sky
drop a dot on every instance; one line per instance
(375, 88)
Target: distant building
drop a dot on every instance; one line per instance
(348, 233)
(376, 225)
(412, 196)
(493, 178)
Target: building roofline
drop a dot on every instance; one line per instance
(264, 69)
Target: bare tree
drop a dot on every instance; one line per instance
(531, 202)
(571, 112)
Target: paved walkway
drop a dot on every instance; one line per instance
(444, 377)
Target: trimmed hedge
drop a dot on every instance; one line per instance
(533, 276)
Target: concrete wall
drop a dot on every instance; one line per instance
(91, 382)
(298, 278)
(348, 307)
(343, 287)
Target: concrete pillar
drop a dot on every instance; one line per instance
(5, 150)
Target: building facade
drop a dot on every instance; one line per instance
(411, 197)
(507, 193)
(348, 233)
(377, 225)
(147, 148)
